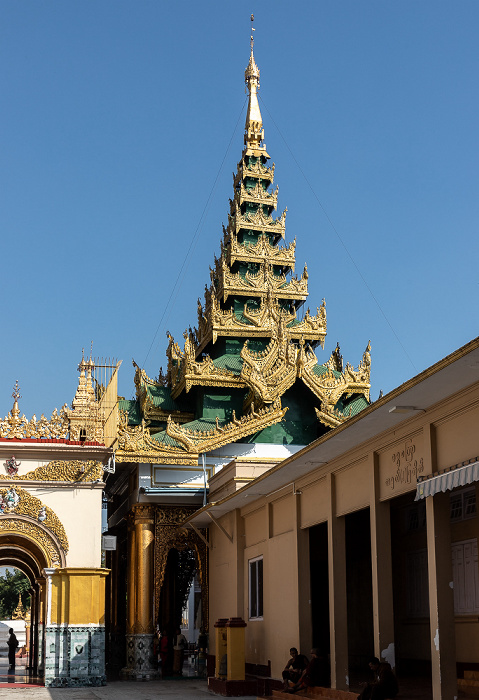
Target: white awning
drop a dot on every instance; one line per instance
(461, 476)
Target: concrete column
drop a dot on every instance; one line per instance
(131, 573)
(338, 616)
(441, 597)
(383, 609)
(41, 614)
(239, 542)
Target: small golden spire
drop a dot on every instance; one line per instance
(15, 396)
(254, 133)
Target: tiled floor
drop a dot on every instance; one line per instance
(22, 685)
(19, 677)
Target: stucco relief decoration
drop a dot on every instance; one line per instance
(9, 500)
(11, 466)
(69, 471)
(16, 501)
(407, 466)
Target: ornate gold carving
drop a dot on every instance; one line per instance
(19, 612)
(187, 372)
(44, 539)
(85, 416)
(256, 194)
(169, 534)
(258, 252)
(26, 504)
(150, 411)
(256, 221)
(271, 372)
(136, 444)
(58, 470)
(206, 440)
(256, 170)
(214, 322)
(173, 516)
(16, 426)
(258, 283)
(329, 387)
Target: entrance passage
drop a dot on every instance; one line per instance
(359, 590)
(22, 604)
(318, 560)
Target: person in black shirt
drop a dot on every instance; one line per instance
(294, 668)
(12, 649)
(383, 686)
(315, 674)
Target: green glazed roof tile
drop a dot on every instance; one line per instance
(318, 370)
(160, 396)
(233, 363)
(133, 408)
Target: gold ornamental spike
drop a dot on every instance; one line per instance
(254, 133)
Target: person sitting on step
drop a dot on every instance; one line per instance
(384, 686)
(294, 668)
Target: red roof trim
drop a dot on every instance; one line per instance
(61, 441)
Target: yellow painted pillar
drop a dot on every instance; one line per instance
(140, 625)
(441, 597)
(382, 577)
(235, 628)
(144, 543)
(338, 616)
(75, 627)
(220, 643)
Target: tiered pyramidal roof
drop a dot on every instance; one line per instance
(248, 371)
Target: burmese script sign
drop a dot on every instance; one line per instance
(401, 466)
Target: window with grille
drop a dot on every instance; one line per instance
(256, 588)
(463, 504)
(416, 517)
(465, 577)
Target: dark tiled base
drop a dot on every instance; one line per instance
(62, 682)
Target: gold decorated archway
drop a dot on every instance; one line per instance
(24, 533)
(171, 534)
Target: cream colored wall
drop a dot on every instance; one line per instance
(225, 574)
(270, 532)
(79, 510)
(443, 437)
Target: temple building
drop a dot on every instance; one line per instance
(51, 484)
(251, 482)
(245, 391)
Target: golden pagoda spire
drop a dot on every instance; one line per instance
(16, 396)
(254, 133)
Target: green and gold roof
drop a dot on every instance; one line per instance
(248, 371)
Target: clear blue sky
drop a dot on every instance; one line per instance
(116, 120)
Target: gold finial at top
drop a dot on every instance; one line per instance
(16, 392)
(16, 395)
(254, 123)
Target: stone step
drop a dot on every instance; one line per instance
(317, 692)
(468, 686)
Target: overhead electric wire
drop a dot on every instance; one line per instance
(340, 239)
(183, 267)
